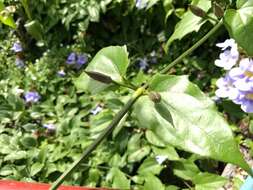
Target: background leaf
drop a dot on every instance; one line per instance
(240, 24)
(189, 22)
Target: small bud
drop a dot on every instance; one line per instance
(218, 10)
(99, 77)
(197, 11)
(155, 97)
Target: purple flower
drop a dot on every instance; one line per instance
(49, 126)
(81, 60)
(61, 73)
(237, 85)
(225, 87)
(32, 97)
(230, 55)
(17, 47)
(247, 104)
(96, 110)
(243, 75)
(71, 58)
(143, 63)
(19, 63)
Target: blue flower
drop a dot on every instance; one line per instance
(143, 64)
(32, 97)
(19, 63)
(17, 47)
(81, 60)
(49, 126)
(77, 60)
(71, 58)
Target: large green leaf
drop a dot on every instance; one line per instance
(189, 22)
(197, 126)
(240, 24)
(111, 61)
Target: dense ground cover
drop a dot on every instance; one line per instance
(50, 110)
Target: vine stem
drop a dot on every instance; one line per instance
(139, 92)
(101, 137)
(191, 49)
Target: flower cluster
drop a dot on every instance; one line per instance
(17, 48)
(77, 60)
(237, 84)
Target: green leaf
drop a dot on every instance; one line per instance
(239, 23)
(169, 151)
(149, 165)
(189, 22)
(119, 179)
(28, 141)
(207, 181)
(5, 17)
(18, 155)
(6, 170)
(35, 29)
(138, 154)
(185, 169)
(111, 61)
(198, 127)
(153, 139)
(152, 182)
(36, 168)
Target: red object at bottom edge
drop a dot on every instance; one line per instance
(14, 185)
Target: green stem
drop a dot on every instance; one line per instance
(191, 49)
(101, 137)
(125, 85)
(213, 19)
